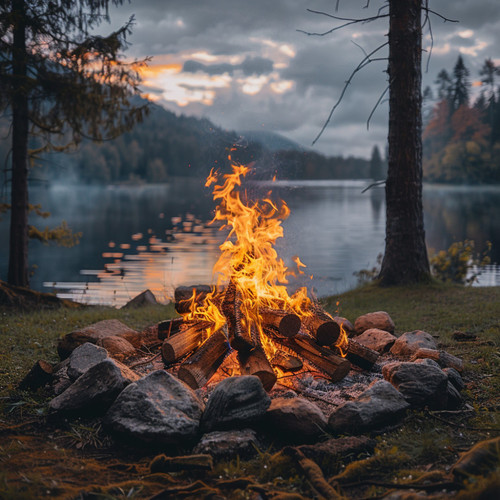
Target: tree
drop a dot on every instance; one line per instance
(60, 83)
(405, 258)
(461, 84)
(376, 168)
(444, 85)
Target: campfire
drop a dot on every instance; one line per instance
(249, 311)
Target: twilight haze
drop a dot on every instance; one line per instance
(246, 66)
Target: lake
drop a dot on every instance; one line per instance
(157, 236)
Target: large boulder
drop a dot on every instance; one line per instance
(94, 391)
(159, 408)
(422, 384)
(379, 405)
(234, 403)
(410, 342)
(378, 319)
(297, 419)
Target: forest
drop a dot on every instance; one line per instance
(461, 138)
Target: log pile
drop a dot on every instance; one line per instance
(316, 339)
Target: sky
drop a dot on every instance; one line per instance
(248, 65)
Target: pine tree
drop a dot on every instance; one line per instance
(461, 84)
(60, 83)
(376, 167)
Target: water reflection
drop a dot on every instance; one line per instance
(157, 237)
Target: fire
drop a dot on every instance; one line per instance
(249, 263)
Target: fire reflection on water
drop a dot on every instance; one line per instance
(186, 255)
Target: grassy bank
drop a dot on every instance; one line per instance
(40, 459)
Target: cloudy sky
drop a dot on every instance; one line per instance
(246, 64)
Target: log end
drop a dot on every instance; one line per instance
(327, 333)
(341, 371)
(268, 378)
(188, 377)
(289, 325)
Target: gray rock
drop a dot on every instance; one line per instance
(159, 408)
(455, 378)
(143, 299)
(84, 357)
(379, 319)
(427, 362)
(297, 419)
(234, 403)
(228, 444)
(379, 405)
(378, 340)
(95, 390)
(410, 342)
(421, 384)
(443, 358)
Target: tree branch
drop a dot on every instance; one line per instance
(376, 106)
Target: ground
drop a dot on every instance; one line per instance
(41, 457)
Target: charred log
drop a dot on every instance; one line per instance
(169, 327)
(322, 327)
(287, 324)
(256, 363)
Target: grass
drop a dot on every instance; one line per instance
(41, 459)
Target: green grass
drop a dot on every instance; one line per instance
(423, 447)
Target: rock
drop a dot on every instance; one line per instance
(95, 390)
(84, 357)
(143, 299)
(410, 342)
(336, 449)
(444, 359)
(427, 362)
(455, 378)
(482, 459)
(228, 444)
(93, 333)
(346, 324)
(117, 347)
(162, 463)
(60, 380)
(159, 409)
(234, 403)
(297, 419)
(454, 398)
(379, 319)
(378, 340)
(379, 405)
(420, 383)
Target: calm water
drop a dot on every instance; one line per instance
(156, 236)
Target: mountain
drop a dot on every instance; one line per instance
(270, 140)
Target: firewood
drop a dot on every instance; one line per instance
(183, 342)
(323, 358)
(39, 375)
(197, 370)
(168, 327)
(360, 355)
(184, 294)
(241, 339)
(287, 362)
(255, 362)
(287, 324)
(322, 326)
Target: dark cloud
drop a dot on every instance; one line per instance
(250, 66)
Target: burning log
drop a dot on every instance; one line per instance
(168, 327)
(322, 327)
(240, 339)
(197, 370)
(183, 342)
(256, 363)
(287, 362)
(184, 294)
(287, 324)
(360, 355)
(334, 366)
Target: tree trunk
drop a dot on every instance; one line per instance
(18, 249)
(405, 260)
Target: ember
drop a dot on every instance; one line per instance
(249, 309)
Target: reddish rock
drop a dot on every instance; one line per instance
(379, 319)
(444, 359)
(378, 340)
(95, 332)
(410, 342)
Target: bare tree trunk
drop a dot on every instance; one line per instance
(405, 260)
(18, 250)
